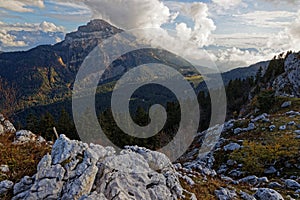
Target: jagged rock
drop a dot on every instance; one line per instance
(267, 194)
(232, 147)
(270, 170)
(288, 82)
(292, 113)
(5, 186)
(188, 180)
(228, 125)
(156, 160)
(297, 132)
(24, 185)
(251, 126)
(260, 117)
(282, 128)
(286, 104)
(228, 179)
(237, 131)
(236, 173)
(253, 180)
(94, 196)
(246, 196)
(272, 127)
(1, 129)
(76, 170)
(2, 118)
(291, 184)
(6, 126)
(225, 194)
(64, 149)
(291, 123)
(95, 29)
(274, 185)
(231, 162)
(4, 168)
(223, 168)
(24, 136)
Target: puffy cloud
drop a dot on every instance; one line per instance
(294, 29)
(130, 14)
(267, 19)
(21, 5)
(50, 27)
(227, 4)
(283, 1)
(203, 25)
(8, 40)
(230, 58)
(24, 36)
(44, 26)
(242, 40)
(289, 38)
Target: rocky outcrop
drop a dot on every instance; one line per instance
(6, 126)
(5, 186)
(267, 194)
(76, 170)
(225, 194)
(288, 83)
(95, 29)
(24, 136)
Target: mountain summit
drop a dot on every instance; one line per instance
(95, 29)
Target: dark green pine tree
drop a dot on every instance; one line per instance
(66, 126)
(46, 125)
(32, 123)
(258, 76)
(141, 117)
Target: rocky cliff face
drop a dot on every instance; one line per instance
(288, 83)
(95, 29)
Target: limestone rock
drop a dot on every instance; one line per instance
(5, 186)
(232, 147)
(4, 168)
(76, 170)
(6, 126)
(288, 82)
(267, 194)
(286, 104)
(225, 194)
(291, 184)
(24, 136)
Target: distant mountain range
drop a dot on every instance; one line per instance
(45, 75)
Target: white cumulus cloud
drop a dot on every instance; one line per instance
(8, 40)
(28, 35)
(50, 27)
(21, 5)
(130, 14)
(227, 4)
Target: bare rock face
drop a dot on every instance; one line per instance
(76, 170)
(24, 136)
(5, 186)
(288, 83)
(267, 194)
(95, 29)
(6, 126)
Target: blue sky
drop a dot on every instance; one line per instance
(235, 32)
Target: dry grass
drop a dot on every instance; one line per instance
(22, 160)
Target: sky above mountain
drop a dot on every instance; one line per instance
(236, 33)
